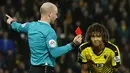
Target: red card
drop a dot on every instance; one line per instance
(78, 31)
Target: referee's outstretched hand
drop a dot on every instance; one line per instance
(9, 19)
(77, 40)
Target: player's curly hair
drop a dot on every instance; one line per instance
(96, 27)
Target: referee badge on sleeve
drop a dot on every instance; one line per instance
(52, 43)
(23, 25)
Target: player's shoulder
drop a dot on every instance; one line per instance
(84, 45)
(111, 45)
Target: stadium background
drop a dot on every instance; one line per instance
(113, 14)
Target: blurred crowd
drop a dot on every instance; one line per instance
(113, 14)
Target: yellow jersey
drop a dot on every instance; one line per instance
(103, 63)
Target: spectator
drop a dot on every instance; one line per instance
(6, 44)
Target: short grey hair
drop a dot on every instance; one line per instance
(47, 7)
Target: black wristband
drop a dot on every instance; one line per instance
(73, 45)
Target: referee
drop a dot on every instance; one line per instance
(43, 40)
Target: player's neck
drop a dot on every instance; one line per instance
(98, 49)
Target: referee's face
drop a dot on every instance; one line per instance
(96, 39)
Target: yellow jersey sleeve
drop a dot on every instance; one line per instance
(113, 61)
(83, 56)
(116, 59)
